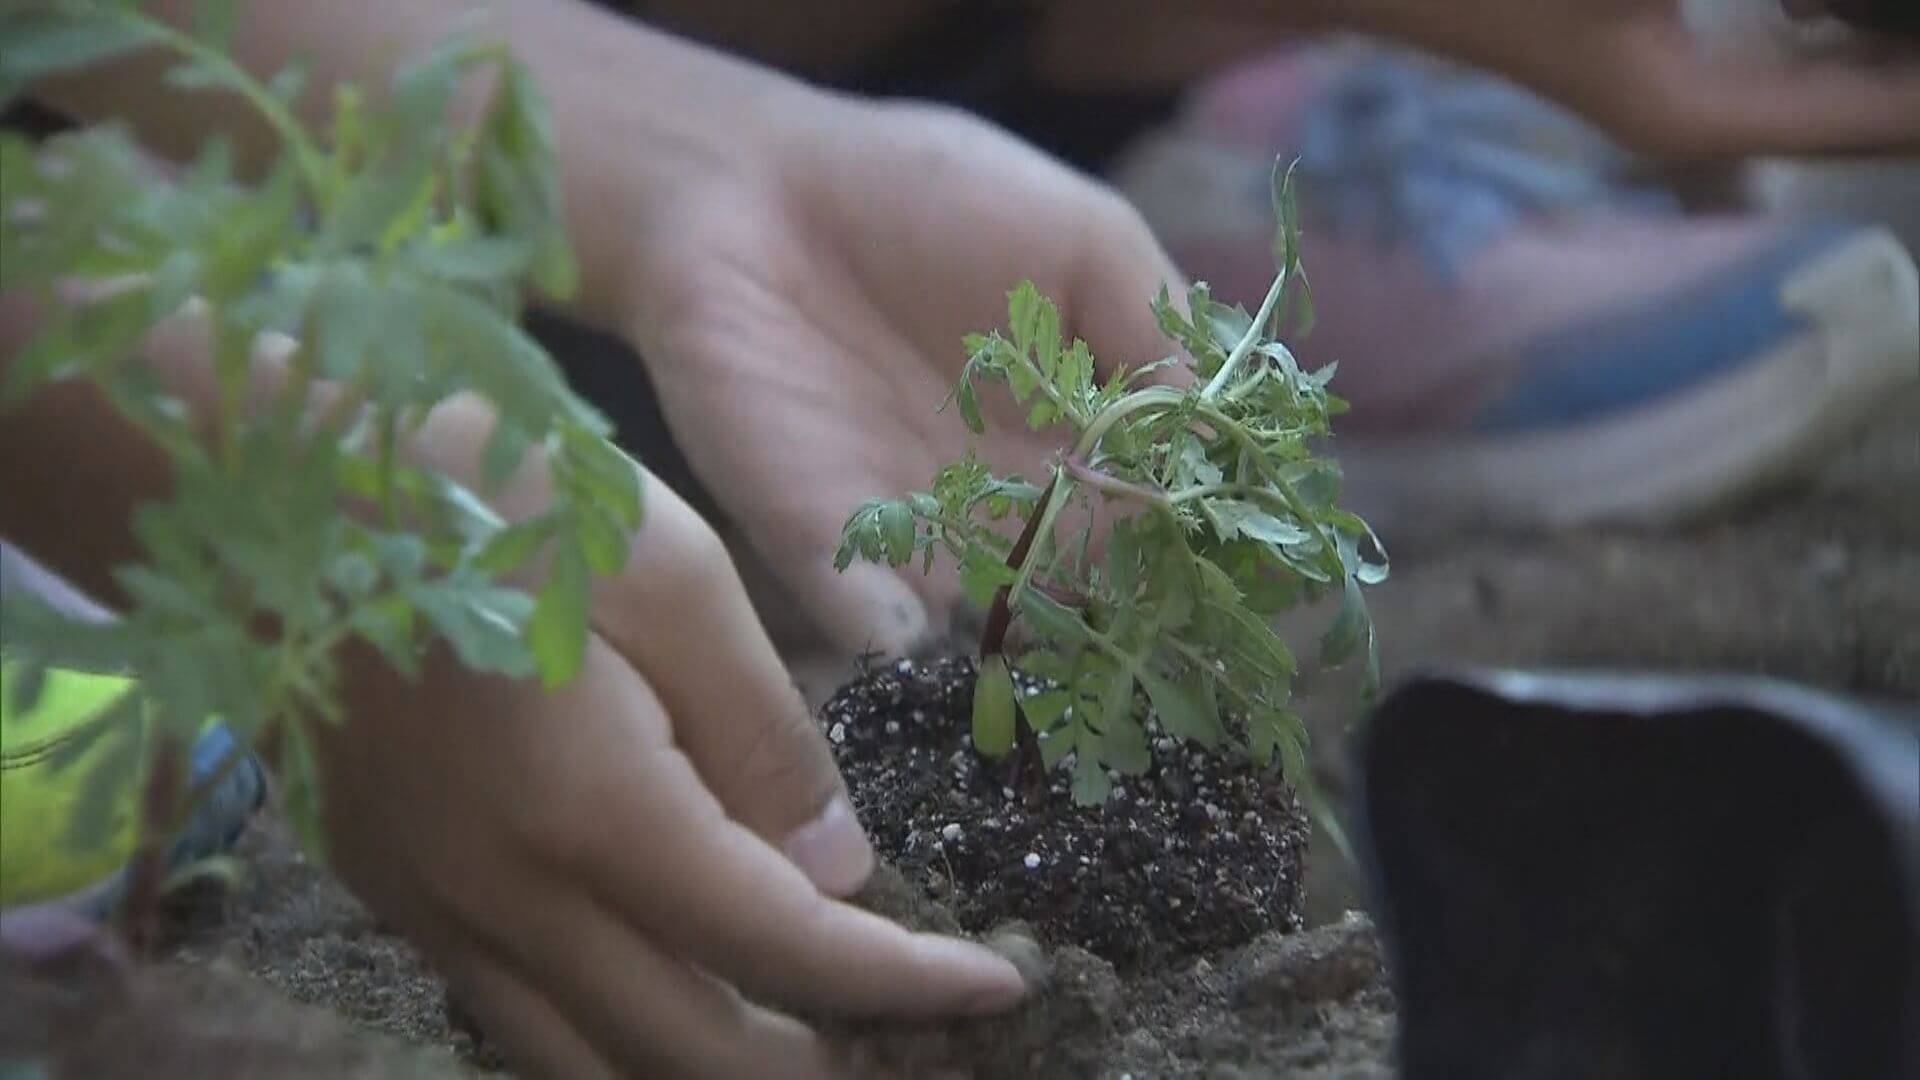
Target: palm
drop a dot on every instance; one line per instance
(802, 347)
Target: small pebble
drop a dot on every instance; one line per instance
(951, 832)
(1032, 860)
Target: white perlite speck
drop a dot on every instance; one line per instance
(893, 727)
(951, 832)
(838, 733)
(1032, 860)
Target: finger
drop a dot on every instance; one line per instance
(527, 1028)
(678, 612)
(1122, 268)
(681, 615)
(865, 608)
(636, 1007)
(1687, 105)
(665, 853)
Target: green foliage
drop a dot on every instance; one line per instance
(1229, 518)
(391, 248)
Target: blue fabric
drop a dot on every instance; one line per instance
(1397, 146)
(217, 821)
(1622, 359)
(213, 827)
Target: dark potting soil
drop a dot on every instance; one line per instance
(1199, 854)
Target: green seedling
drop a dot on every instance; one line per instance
(392, 248)
(1226, 517)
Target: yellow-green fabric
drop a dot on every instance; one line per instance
(37, 799)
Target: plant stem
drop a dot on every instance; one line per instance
(1162, 396)
(1247, 341)
(993, 636)
(159, 796)
(1114, 486)
(1057, 491)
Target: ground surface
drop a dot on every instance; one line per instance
(1822, 586)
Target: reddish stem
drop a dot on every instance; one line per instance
(140, 906)
(1028, 768)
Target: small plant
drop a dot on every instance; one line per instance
(1230, 518)
(392, 249)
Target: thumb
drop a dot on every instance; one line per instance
(1121, 269)
(865, 608)
(1693, 106)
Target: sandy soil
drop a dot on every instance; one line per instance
(1821, 585)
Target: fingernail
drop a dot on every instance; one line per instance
(832, 850)
(879, 613)
(996, 985)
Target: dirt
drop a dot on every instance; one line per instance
(1194, 855)
(287, 974)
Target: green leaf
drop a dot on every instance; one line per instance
(557, 630)
(1233, 517)
(1091, 785)
(1286, 215)
(482, 622)
(1046, 709)
(601, 472)
(1034, 324)
(969, 402)
(602, 541)
(34, 46)
(982, 574)
(1186, 708)
(472, 260)
(515, 545)
(1050, 619)
(897, 532)
(1349, 627)
(1123, 560)
(387, 623)
(1123, 742)
(993, 708)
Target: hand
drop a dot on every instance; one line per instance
(801, 309)
(595, 870)
(1634, 68)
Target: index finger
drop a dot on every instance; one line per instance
(665, 855)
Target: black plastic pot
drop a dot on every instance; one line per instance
(1645, 876)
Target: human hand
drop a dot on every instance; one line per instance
(596, 869)
(802, 307)
(1636, 69)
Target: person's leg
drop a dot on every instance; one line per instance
(1523, 335)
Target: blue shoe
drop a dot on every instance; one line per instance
(1527, 336)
